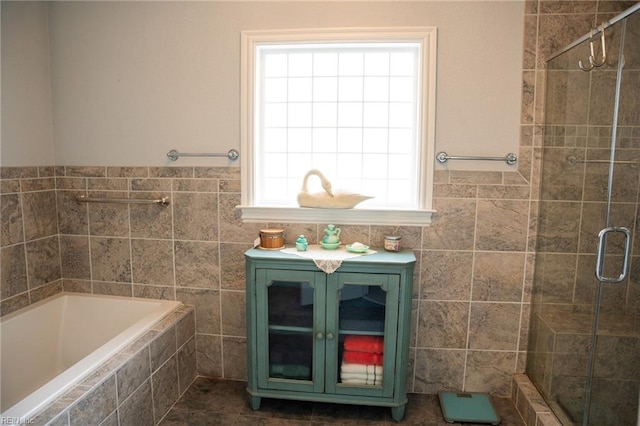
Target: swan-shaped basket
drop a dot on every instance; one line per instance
(327, 199)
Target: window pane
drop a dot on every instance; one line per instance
(325, 89)
(299, 115)
(350, 89)
(400, 167)
(275, 90)
(325, 114)
(375, 140)
(300, 89)
(401, 89)
(352, 185)
(275, 189)
(350, 63)
(376, 188)
(401, 140)
(376, 89)
(300, 64)
(400, 193)
(350, 114)
(402, 63)
(349, 140)
(275, 115)
(275, 65)
(327, 163)
(376, 114)
(297, 166)
(324, 140)
(275, 140)
(271, 165)
(299, 140)
(325, 64)
(374, 165)
(401, 115)
(376, 63)
(349, 166)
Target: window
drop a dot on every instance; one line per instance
(358, 105)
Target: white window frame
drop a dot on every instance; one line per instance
(427, 37)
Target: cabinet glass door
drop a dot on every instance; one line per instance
(291, 335)
(364, 313)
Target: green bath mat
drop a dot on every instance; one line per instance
(468, 407)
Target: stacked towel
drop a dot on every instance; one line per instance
(369, 344)
(353, 357)
(362, 360)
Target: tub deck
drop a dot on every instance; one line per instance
(76, 342)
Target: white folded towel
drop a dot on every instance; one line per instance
(361, 368)
(370, 382)
(360, 376)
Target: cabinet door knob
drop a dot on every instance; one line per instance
(319, 336)
(330, 336)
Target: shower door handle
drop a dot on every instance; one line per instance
(602, 242)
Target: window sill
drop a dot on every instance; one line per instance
(341, 216)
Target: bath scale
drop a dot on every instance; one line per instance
(468, 407)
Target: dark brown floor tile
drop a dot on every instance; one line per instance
(226, 402)
(182, 417)
(351, 414)
(269, 421)
(283, 409)
(423, 409)
(213, 395)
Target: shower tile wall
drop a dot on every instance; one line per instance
(470, 308)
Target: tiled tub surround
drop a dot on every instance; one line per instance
(470, 309)
(49, 346)
(139, 385)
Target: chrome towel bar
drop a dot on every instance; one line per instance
(231, 155)
(163, 201)
(573, 161)
(510, 158)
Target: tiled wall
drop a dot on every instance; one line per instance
(29, 237)
(469, 294)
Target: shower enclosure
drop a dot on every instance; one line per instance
(584, 341)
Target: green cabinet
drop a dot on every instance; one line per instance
(340, 337)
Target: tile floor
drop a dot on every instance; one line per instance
(225, 402)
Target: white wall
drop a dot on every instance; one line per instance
(26, 134)
(131, 80)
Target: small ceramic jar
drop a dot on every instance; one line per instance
(392, 243)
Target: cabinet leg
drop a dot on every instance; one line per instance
(397, 413)
(255, 402)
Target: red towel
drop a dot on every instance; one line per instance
(371, 344)
(352, 357)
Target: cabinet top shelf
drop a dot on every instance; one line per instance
(402, 257)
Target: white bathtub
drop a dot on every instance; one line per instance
(51, 345)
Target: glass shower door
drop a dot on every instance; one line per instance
(612, 395)
(584, 347)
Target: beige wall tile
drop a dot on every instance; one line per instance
(197, 264)
(494, 326)
(152, 262)
(11, 225)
